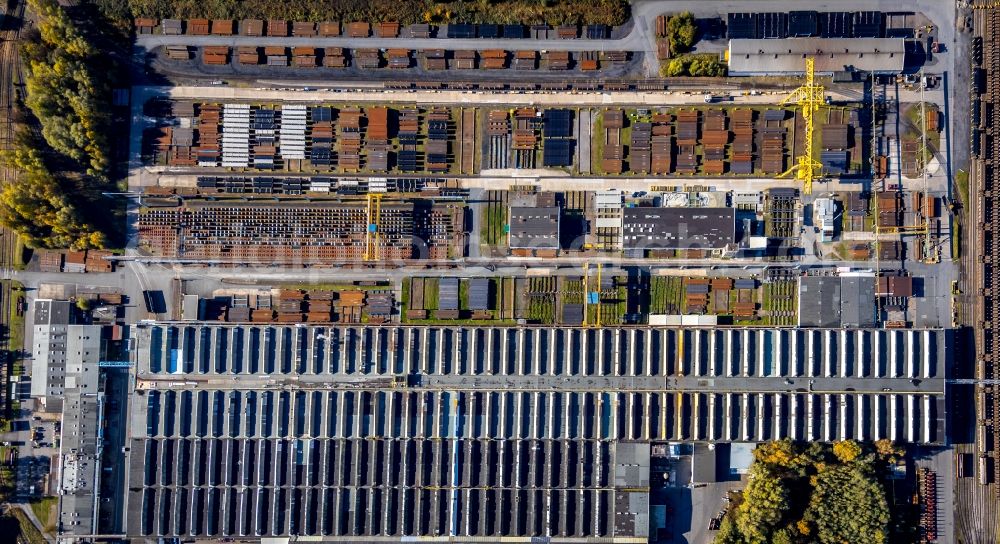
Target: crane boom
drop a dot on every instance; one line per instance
(809, 97)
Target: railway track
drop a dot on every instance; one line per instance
(10, 75)
(977, 515)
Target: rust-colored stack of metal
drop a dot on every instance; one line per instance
(329, 29)
(367, 58)
(557, 60)
(215, 55)
(525, 136)
(97, 261)
(687, 140)
(493, 59)
(262, 315)
(714, 140)
(525, 60)
(349, 304)
(197, 27)
(358, 30)
(434, 59)
(741, 122)
(497, 123)
(640, 146)
(614, 152)
(322, 138)
(222, 27)
(303, 29)
(377, 138)
(661, 151)
(890, 209)
(178, 52)
(248, 54)
(398, 58)
(614, 56)
(319, 306)
(304, 57)
(349, 151)
(387, 30)
(207, 150)
(773, 150)
(464, 60)
(277, 55)
(333, 57)
(290, 303)
(252, 27)
(277, 28)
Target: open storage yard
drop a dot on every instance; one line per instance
(702, 141)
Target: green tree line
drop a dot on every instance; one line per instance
(59, 154)
(610, 12)
(813, 493)
(64, 90)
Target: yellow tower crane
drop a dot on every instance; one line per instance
(373, 234)
(809, 97)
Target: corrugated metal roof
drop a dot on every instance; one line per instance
(880, 55)
(448, 294)
(534, 228)
(479, 294)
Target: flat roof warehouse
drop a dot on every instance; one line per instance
(764, 57)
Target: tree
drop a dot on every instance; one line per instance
(887, 449)
(765, 502)
(64, 90)
(846, 450)
(849, 505)
(812, 493)
(682, 32)
(728, 533)
(36, 205)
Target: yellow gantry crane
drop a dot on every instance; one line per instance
(809, 97)
(373, 231)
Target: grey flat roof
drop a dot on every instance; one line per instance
(748, 57)
(52, 312)
(679, 228)
(534, 228)
(819, 301)
(857, 296)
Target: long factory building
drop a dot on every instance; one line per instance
(388, 433)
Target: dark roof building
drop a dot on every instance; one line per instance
(819, 301)
(479, 294)
(534, 228)
(678, 228)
